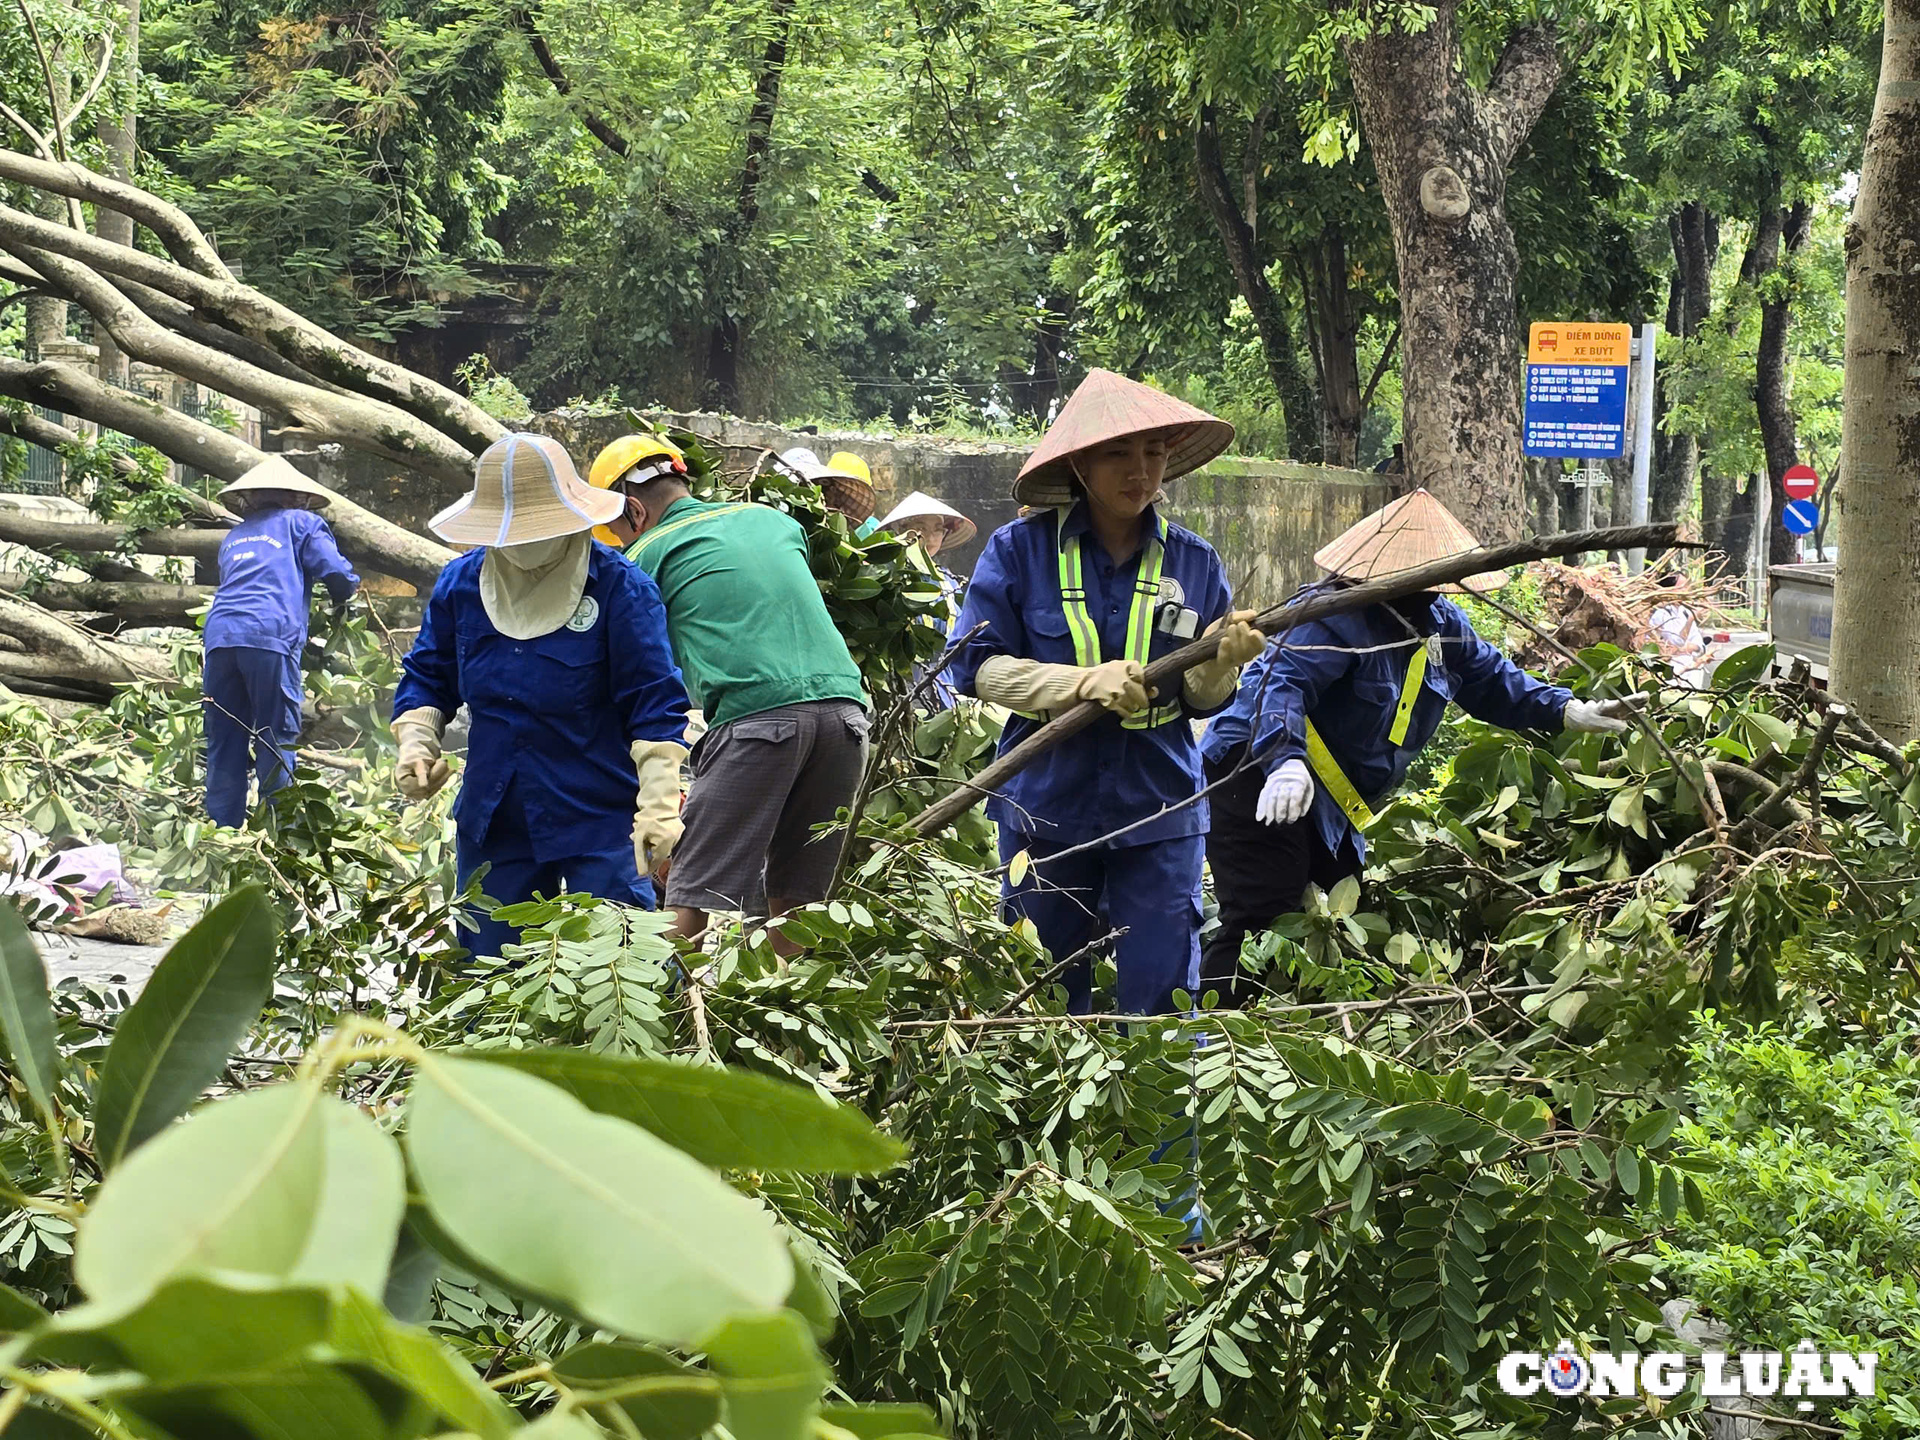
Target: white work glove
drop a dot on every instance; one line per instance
(1211, 681)
(420, 772)
(1119, 685)
(656, 806)
(1287, 795)
(1596, 717)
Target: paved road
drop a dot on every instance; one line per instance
(100, 962)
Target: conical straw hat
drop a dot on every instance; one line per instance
(275, 473)
(933, 515)
(1106, 407)
(843, 483)
(1414, 530)
(524, 488)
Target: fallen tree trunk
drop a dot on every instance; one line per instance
(36, 429)
(147, 602)
(183, 238)
(58, 649)
(371, 426)
(247, 312)
(50, 535)
(365, 536)
(944, 811)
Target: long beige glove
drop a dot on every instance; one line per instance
(1211, 681)
(421, 771)
(656, 807)
(1033, 686)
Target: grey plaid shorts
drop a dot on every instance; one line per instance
(761, 786)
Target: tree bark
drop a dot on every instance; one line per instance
(1695, 235)
(174, 227)
(76, 651)
(1876, 593)
(33, 428)
(1772, 370)
(130, 602)
(543, 53)
(1442, 148)
(47, 536)
(249, 313)
(362, 534)
(371, 426)
(1301, 406)
(118, 131)
(727, 338)
(1333, 333)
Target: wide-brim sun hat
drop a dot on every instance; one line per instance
(1107, 406)
(920, 511)
(847, 486)
(524, 489)
(275, 473)
(1414, 530)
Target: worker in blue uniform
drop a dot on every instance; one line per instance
(256, 629)
(1328, 720)
(930, 526)
(558, 647)
(1075, 599)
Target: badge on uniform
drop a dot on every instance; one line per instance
(584, 614)
(1170, 613)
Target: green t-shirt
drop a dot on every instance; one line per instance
(744, 613)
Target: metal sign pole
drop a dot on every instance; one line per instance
(1643, 439)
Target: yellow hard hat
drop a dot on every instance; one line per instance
(625, 455)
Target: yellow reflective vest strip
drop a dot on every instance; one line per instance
(1086, 634)
(660, 532)
(1321, 760)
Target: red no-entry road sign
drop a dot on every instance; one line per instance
(1800, 482)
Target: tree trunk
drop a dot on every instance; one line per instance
(1297, 398)
(1876, 596)
(1333, 336)
(1772, 399)
(1695, 234)
(1442, 148)
(725, 344)
(1716, 508)
(129, 602)
(118, 135)
(362, 534)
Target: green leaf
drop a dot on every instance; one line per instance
(175, 1039)
(1344, 897)
(363, 1198)
(1742, 665)
(1653, 1128)
(1628, 1166)
(881, 1422)
(414, 1267)
(772, 1376)
(1669, 1195)
(611, 1221)
(730, 1119)
(1581, 1106)
(682, 1410)
(411, 1358)
(18, 1312)
(1696, 1201)
(26, 1012)
(237, 1187)
(283, 1403)
(188, 1328)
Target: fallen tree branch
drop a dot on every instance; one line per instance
(943, 812)
(371, 426)
(183, 238)
(247, 312)
(364, 536)
(1807, 773)
(49, 535)
(131, 602)
(57, 649)
(36, 429)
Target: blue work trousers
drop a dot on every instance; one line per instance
(516, 875)
(251, 712)
(1151, 892)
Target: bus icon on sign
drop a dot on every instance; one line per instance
(1547, 340)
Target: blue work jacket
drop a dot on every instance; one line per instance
(1107, 776)
(1346, 672)
(557, 714)
(269, 564)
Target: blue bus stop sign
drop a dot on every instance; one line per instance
(1800, 517)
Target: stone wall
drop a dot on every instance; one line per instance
(1266, 518)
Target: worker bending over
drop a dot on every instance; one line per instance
(1074, 600)
(788, 720)
(256, 629)
(1328, 720)
(559, 650)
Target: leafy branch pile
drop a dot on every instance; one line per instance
(1466, 1119)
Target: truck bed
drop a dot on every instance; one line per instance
(1800, 614)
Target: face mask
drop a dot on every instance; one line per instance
(535, 554)
(1415, 606)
